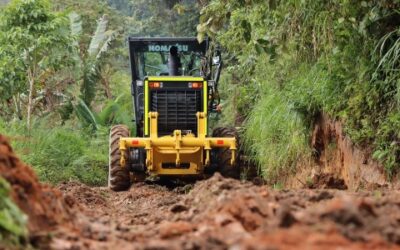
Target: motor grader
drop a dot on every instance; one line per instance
(174, 89)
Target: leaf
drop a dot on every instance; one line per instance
(99, 36)
(107, 115)
(247, 30)
(259, 48)
(86, 115)
(180, 9)
(209, 21)
(263, 42)
(379, 154)
(90, 78)
(75, 24)
(106, 44)
(7, 220)
(200, 37)
(201, 28)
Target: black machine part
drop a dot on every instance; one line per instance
(136, 159)
(210, 70)
(174, 62)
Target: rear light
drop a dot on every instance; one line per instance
(135, 142)
(195, 85)
(155, 85)
(220, 142)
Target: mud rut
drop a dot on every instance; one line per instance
(217, 213)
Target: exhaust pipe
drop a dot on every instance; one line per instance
(174, 62)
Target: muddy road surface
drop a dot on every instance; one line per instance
(221, 213)
(217, 213)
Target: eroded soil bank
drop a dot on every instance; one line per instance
(335, 157)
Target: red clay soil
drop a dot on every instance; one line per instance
(44, 205)
(221, 213)
(217, 213)
(335, 153)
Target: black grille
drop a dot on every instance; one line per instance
(176, 110)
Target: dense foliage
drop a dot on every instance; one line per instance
(34, 44)
(65, 79)
(297, 59)
(162, 18)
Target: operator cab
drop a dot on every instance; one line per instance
(175, 66)
(167, 57)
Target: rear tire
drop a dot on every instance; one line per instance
(118, 177)
(223, 155)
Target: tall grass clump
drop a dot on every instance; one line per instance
(275, 135)
(61, 153)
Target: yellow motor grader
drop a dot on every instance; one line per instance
(174, 89)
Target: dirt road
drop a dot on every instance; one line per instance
(223, 213)
(217, 213)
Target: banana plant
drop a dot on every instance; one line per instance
(114, 112)
(90, 61)
(89, 64)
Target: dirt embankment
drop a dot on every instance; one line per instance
(45, 206)
(335, 157)
(217, 213)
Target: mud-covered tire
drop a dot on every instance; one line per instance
(118, 177)
(223, 155)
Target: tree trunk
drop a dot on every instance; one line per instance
(17, 103)
(106, 86)
(31, 80)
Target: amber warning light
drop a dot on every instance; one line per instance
(155, 85)
(195, 85)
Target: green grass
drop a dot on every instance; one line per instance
(61, 153)
(275, 135)
(13, 229)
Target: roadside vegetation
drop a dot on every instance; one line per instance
(13, 231)
(290, 61)
(65, 80)
(65, 77)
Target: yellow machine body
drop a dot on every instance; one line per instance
(165, 155)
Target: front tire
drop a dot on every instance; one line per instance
(223, 155)
(118, 177)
